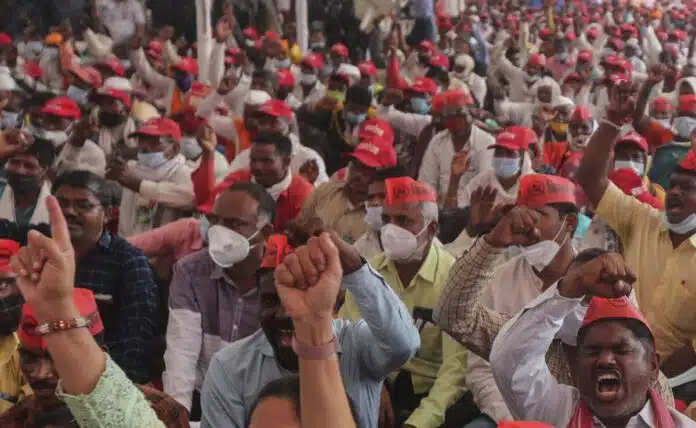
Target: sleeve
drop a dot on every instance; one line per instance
(410, 123)
(217, 63)
(482, 46)
(203, 180)
(155, 242)
(135, 326)
(177, 193)
(386, 334)
(235, 98)
(222, 404)
(184, 338)
(114, 402)
(464, 194)
(479, 379)
(448, 387)
(429, 172)
(138, 14)
(459, 311)
(622, 212)
(147, 73)
(92, 160)
(309, 208)
(518, 359)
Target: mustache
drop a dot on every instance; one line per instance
(43, 384)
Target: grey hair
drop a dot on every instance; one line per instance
(429, 211)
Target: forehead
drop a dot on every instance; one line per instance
(608, 332)
(74, 193)
(25, 158)
(33, 352)
(410, 210)
(236, 205)
(262, 151)
(680, 178)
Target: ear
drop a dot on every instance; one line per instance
(654, 366)
(572, 223)
(175, 149)
(267, 231)
(433, 228)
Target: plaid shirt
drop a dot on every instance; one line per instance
(122, 280)
(25, 414)
(460, 313)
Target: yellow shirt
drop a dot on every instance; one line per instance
(12, 387)
(666, 286)
(439, 366)
(329, 203)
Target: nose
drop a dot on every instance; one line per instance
(606, 359)
(45, 370)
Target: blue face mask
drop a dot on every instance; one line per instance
(328, 69)
(420, 105)
(190, 148)
(78, 95)
(583, 224)
(35, 46)
(151, 160)
(284, 63)
(204, 225)
(506, 167)
(354, 118)
(185, 83)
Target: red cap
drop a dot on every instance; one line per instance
(376, 128)
(687, 103)
(159, 127)
(545, 33)
(375, 153)
(89, 75)
(537, 59)
(86, 305)
(634, 138)
(689, 162)
(155, 47)
(427, 44)
(661, 35)
(368, 68)
(511, 139)
(314, 60)
(438, 59)
(632, 184)
(188, 121)
(573, 77)
(62, 107)
(444, 22)
(566, 20)
(679, 34)
(272, 36)
(570, 36)
(122, 96)
(277, 247)
(593, 32)
(537, 190)
(276, 108)
(33, 70)
(5, 39)
(618, 78)
(617, 43)
(405, 190)
(251, 33)
(585, 56)
(188, 65)
(115, 66)
(581, 113)
(661, 105)
(424, 85)
(286, 79)
(8, 248)
(439, 102)
(628, 28)
(607, 309)
(340, 49)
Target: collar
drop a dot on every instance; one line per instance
(340, 185)
(8, 347)
(428, 267)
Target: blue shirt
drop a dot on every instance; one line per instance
(368, 350)
(422, 8)
(122, 280)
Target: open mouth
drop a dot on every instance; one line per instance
(285, 337)
(608, 386)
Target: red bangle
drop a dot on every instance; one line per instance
(315, 352)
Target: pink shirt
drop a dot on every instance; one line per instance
(177, 239)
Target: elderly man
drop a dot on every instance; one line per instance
(617, 362)
(417, 270)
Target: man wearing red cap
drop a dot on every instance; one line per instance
(157, 187)
(658, 246)
(521, 80)
(310, 89)
(114, 106)
(58, 115)
(617, 363)
(580, 127)
(416, 270)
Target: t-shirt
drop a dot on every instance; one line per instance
(121, 18)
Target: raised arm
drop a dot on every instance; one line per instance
(145, 70)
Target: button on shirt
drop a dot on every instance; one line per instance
(206, 312)
(666, 285)
(439, 365)
(368, 350)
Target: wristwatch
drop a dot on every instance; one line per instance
(315, 352)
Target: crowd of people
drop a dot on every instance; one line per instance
(369, 215)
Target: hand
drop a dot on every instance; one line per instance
(165, 33)
(310, 171)
(119, 171)
(481, 210)
(392, 96)
(14, 141)
(224, 28)
(622, 102)
(85, 128)
(350, 258)
(206, 138)
(301, 229)
(460, 164)
(656, 74)
(308, 281)
(606, 276)
(46, 268)
(518, 227)
(227, 84)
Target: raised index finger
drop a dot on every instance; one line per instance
(59, 228)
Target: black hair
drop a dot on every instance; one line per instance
(391, 172)
(360, 95)
(281, 142)
(86, 180)
(43, 150)
(288, 388)
(268, 76)
(267, 205)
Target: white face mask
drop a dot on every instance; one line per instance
(684, 227)
(308, 78)
(577, 143)
(539, 255)
(400, 244)
(684, 126)
(152, 160)
(373, 217)
(8, 119)
(638, 167)
(190, 148)
(58, 138)
(78, 95)
(506, 167)
(227, 247)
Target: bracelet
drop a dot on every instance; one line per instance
(315, 352)
(610, 123)
(62, 325)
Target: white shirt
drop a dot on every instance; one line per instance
(518, 359)
(318, 92)
(90, 157)
(121, 18)
(437, 161)
(409, 123)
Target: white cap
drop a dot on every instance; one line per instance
(255, 98)
(118, 83)
(349, 70)
(7, 83)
